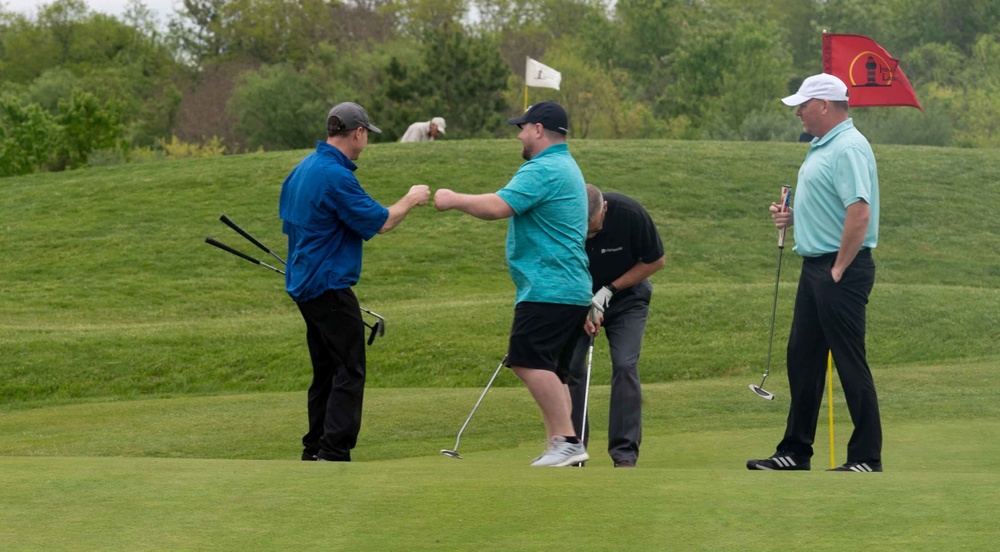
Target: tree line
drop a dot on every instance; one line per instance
(82, 88)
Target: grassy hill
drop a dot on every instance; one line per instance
(152, 387)
(109, 292)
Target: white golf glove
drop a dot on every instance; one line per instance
(601, 299)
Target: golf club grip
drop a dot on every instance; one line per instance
(224, 247)
(786, 198)
(229, 222)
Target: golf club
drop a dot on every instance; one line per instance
(786, 197)
(586, 391)
(240, 254)
(829, 405)
(229, 222)
(377, 329)
(454, 452)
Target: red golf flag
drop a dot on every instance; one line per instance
(872, 76)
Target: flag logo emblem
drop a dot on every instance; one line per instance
(870, 69)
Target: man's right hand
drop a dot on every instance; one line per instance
(444, 199)
(594, 320)
(781, 220)
(419, 194)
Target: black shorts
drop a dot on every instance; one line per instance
(543, 336)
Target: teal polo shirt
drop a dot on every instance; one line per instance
(839, 171)
(545, 237)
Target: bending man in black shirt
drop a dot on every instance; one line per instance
(624, 249)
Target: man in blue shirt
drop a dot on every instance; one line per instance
(327, 216)
(546, 202)
(836, 218)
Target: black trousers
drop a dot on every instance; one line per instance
(830, 316)
(335, 333)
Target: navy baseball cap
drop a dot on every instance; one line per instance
(550, 114)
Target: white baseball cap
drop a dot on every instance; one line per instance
(818, 87)
(439, 121)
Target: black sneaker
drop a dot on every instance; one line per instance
(860, 467)
(781, 461)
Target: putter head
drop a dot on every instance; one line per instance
(760, 392)
(451, 453)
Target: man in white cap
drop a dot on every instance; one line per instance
(836, 217)
(424, 132)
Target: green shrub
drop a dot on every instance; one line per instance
(27, 136)
(179, 149)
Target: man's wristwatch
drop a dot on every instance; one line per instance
(612, 288)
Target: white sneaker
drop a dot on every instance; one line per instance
(560, 453)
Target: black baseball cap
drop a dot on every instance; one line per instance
(349, 116)
(550, 114)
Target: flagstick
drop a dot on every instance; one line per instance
(829, 385)
(527, 62)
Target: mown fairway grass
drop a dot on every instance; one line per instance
(213, 473)
(151, 387)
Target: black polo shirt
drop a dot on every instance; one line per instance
(628, 236)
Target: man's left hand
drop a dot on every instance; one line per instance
(601, 299)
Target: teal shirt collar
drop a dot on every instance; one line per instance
(846, 125)
(554, 148)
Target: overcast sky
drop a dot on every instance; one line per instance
(163, 8)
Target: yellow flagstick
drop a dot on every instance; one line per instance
(525, 95)
(829, 402)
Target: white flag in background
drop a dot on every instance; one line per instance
(540, 75)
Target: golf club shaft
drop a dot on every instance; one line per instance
(829, 403)
(240, 254)
(774, 310)
(786, 198)
(483, 394)
(375, 314)
(229, 222)
(586, 390)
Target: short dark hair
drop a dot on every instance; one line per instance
(554, 135)
(841, 106)
(336, 128)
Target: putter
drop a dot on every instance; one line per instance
(586, 391)
(786, 197)
(454, 452)
(377, 329)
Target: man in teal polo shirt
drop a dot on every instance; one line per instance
(836, 216)
(546, 202)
